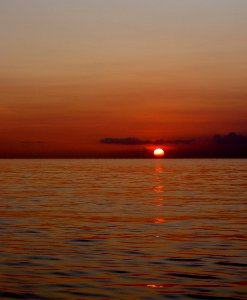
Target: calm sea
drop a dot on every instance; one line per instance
(123, 229)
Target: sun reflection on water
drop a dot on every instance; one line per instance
(159, 220)
(158, 189)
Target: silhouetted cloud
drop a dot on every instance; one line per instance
(137, 141)
(230, 138)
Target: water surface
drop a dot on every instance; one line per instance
(123, 229)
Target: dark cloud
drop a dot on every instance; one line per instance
(230, 138)
(137, 141)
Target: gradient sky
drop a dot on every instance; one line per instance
(74, 72)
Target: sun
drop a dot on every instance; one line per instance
(159, 152)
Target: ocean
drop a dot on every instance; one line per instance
(123, 229)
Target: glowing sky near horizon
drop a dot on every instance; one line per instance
(73, 72)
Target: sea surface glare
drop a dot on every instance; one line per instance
(123, 229)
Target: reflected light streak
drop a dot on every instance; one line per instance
(159, 169)
(159, 220)
(155, 286)
(159, 189)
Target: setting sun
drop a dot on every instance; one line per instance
(159, 152)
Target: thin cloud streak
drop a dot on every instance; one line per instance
(32, 142)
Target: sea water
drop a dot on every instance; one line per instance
(123, 229)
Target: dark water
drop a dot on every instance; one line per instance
(123, 229)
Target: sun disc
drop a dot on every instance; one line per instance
(159, 152)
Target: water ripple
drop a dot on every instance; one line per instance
(123, 229)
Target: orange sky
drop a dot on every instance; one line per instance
(74, 72)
